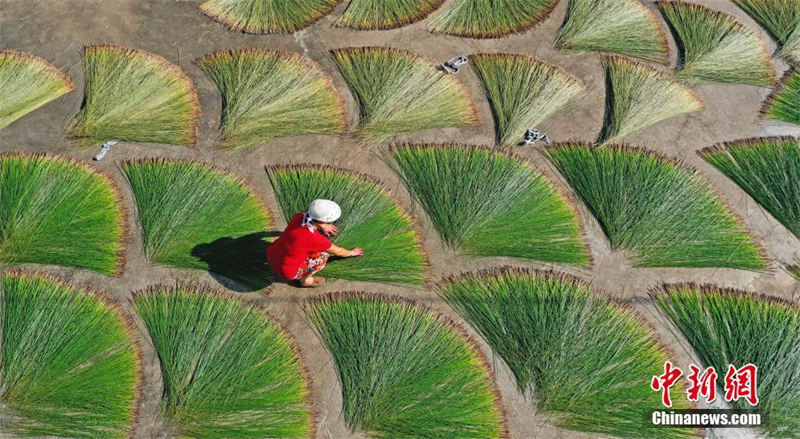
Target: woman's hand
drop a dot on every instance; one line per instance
(356, 252)
(329, 229)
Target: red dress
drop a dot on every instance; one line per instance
(289, 255)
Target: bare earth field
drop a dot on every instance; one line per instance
(57, 30)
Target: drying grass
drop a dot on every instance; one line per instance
(784, 102)
(371, 219)
(626, 27)
(482, 19)
(768, 169)
(583, 357)
(660, 211)
(383, 14)
(406, 372)
(267, 94)
(135, 96)
(193, 215)
(267, 16)
(489, 203)
(56, 211)
(734, 327)
(638, 96)
(398, 92)
(781, 18)
(715, 47)
(229, 370)
(522, 92)
(794, 270)
(26, 83)
(68, 364)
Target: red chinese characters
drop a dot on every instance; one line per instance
(739, 383)
(664, 382)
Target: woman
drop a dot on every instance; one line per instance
(303, 249)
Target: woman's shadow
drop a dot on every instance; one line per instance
(242, 260)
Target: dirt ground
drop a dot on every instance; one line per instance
(57, 30)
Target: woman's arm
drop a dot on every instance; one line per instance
(343, 252)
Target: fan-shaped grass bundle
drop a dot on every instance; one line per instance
(482, 19)
(781, 18)
(386, 14)
(727, 327)
(267, 16)
(371, 219)
(784, 102)
(54, 210)
(26, 83)
(267, 94)
(715, 47)
(489, 203)
(229, 370)
(135, 96)
(663, 213)
(768, 169)
(522, 92)
(70, 367)
(193, 215)
(398, 92)
(406, 372)
(626, 27)
(638, 96)
(584, 356)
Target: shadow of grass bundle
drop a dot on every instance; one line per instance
(267, 16)
(768, 169)
(134, 96)
(268, 94)
(56, 211)
(70, 367)
(371, 219)
(784, 102)
(193, 215)
(398, 92)
(714, 47)
(584, 357)
(26, 83)
(638, 96)
(228, 370)
(781, 18)
(663, 213)
(489, 203)
(482, 19)
(727, 327)
(406, 372)
(626, 27)
(522, 92)
(385, 14)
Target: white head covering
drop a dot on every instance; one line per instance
(325, 211)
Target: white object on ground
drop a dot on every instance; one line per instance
(454, 64)
(533, 135)
(104, 150)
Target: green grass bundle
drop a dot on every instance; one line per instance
(626, 27)
(26, 83)
(386, 14)
(714, 47)
(784, 102)
(661, 212)
(68, 364)
(482, 19)
(584, 358)
(727, 327)
(267, 16)
(489, 203)
(398, 92)
(56, 211)
(371, 219)
(781, 18)
(267, 94)
(406, 372)
(134, 96)
(522, 92)
(193, 215)
(638, 96)
(768, 169)
(228, 370)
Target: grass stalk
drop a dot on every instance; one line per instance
(783, 104)
(385, 14)
(481, 19)
(267, 16)
(781, 18)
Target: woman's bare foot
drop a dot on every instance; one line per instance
(311, 282)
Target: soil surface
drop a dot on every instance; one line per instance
(58, 29)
